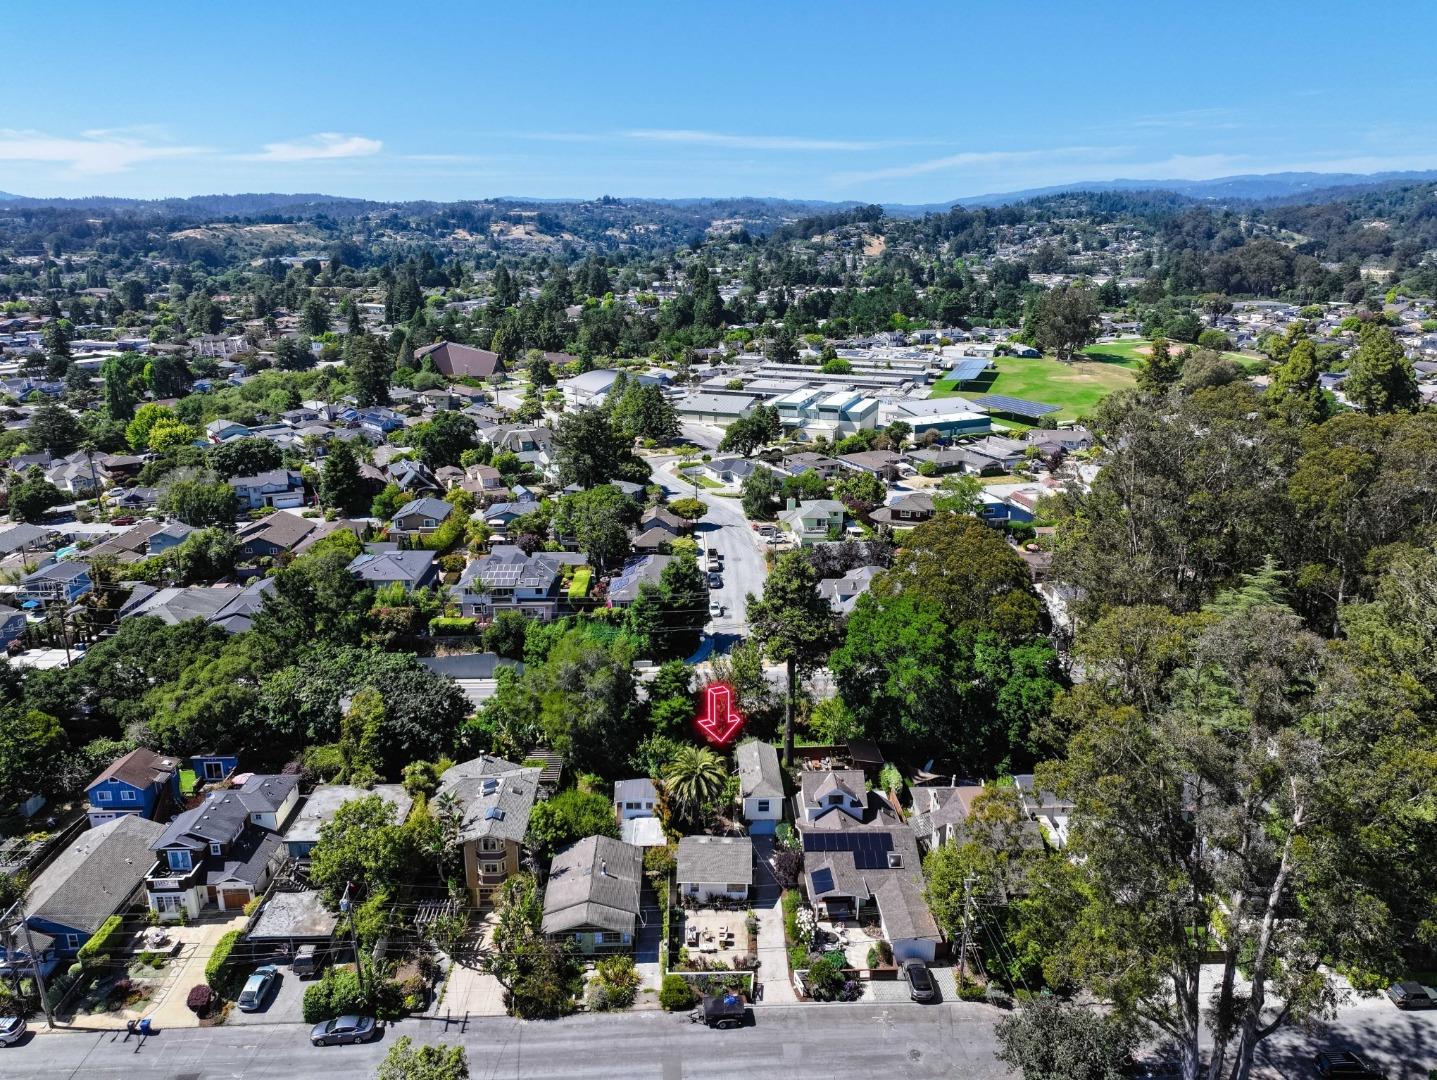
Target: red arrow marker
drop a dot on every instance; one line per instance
(719, 721)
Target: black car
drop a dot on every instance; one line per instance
(1412, 995)
(715, 581)
(1345, 1065)
(343, 1029)
(921, 986)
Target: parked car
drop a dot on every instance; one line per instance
(123, 519)
(715, 609)
(921, 986)
(714, 555)
(715, 581)
(257, 988)
(12, 1030)
(722, 1011)
(1345, 1065)
(714, 565)
(343, 1029)
(1412, 995)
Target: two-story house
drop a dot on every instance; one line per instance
(419, 517)
(905, 511)
(508, 579)
(222, 853)
(494, 798)
(760, 786)
(280, 488)
(858, 856)
(141, 783)
(274, 535)
(812, 520)
(57, 583)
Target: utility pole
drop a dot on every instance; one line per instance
(968, 883)
(17, 912)
(347, 907)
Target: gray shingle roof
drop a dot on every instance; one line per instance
(758, 770)
(594, 883)
(714, 859)
(485, 785)
(640, 790)
(90, 880)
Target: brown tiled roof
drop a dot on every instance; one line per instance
(139, 768)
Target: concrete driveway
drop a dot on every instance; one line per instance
(284, 1005)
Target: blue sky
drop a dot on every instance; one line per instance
(883, 101)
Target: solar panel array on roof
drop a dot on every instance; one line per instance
(966, 370)
(1014, 406)
(870, 849)
(823, 880)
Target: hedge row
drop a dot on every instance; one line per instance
(101, 942)
(215, 968)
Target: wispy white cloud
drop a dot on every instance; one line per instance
(986, 160)
(1212, 119)
(91, 153)
(323, 146)
(750, 142)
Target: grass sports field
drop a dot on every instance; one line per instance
(1075, 388)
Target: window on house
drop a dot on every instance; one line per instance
(736, 888)
(102, 796)
(763, 806)
(610, 937)
(492, 868)
(213, 770)
(216, 849)
(179, 860)
(72, 941)
(835, 800)
(127, 796)
(631, 806)
(165, 903)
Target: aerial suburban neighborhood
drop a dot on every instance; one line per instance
(648, 636)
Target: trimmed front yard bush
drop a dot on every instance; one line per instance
(675, 993)
(200, 1000)
(101, 944)
(338, 992)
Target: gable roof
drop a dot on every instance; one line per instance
(437, 509)
(640, 790)
(759, 774)
(409, 566)
(91, 879)
(594, 882)
(280, 529)
(264, 794)
(139, 768)
(727, 859)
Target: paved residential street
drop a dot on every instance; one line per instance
(726, 529)
(953, 1041)
(851, 1041)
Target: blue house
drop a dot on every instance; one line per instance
(12, 625)
(139, 784)
(60, 582)
(213, 767)
(95, 877)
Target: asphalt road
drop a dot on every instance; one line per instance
(724, 528)
(841, 1040)
(902, 1041)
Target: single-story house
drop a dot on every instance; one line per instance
(289, 920)
(412, 569)
(12, 625)
(324, 802)
(593, 895)
(715, 867)
(92, 879)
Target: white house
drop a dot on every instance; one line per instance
(715, 867)
(760, 782)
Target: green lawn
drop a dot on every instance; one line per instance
(1075, 388)
(579, 587)
(1126, 352)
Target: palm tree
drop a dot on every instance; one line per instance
(695, 776)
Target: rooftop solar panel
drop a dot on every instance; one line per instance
(823, 880)
(1014, 406)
